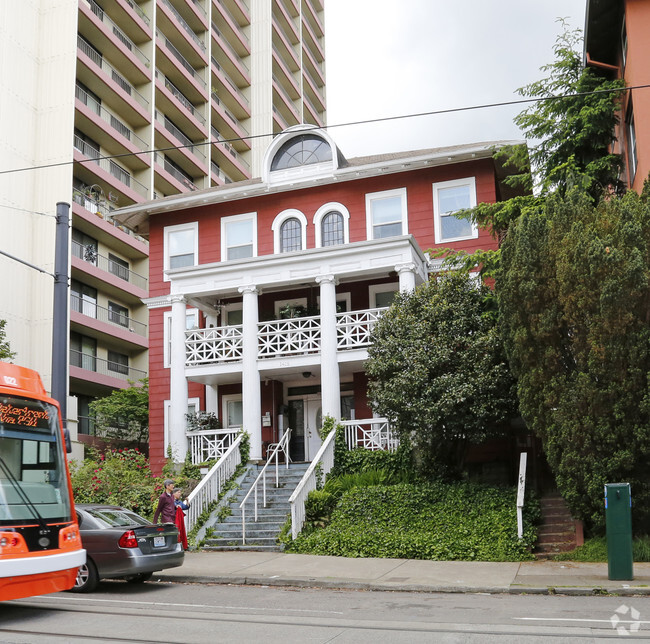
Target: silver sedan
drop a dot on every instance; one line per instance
(121, 544)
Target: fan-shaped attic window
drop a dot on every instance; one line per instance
(305, 149)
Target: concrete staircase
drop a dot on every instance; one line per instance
(558, 532)
(261, 534)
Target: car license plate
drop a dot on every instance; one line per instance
(158, 542)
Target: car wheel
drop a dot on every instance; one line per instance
(140, 578)
(87, 578)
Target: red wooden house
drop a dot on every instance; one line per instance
(263, 292)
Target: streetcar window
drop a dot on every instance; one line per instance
(33, 485)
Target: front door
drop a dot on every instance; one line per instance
(305, 419)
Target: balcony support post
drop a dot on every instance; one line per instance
(330, 378)
(406, 274)
(178, 381)
(251, 403)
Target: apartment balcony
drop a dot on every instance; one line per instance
(115, 136)
(287, 344)
(312, 41)
(313, 92)
(313, 67)
(280, 42)
(106, 325)
(168, 179)
(112, 87)
(194, 13)
(102, 271)
(312, 15)
(228, 92)
(287, 23)
(97, 27)
(279, 123)
(230, 27)
(285, 104)
(92, 168)
(311, 114)
(227, 124)
(95, 211)
(239, 10)
(189, 155)
(292, 7)
(190, 45)
(218, 176)
(229, 59)
(99, 375)
(180, 71)
(132, 20)
(179, 108)
(283, 72)
(229, 160)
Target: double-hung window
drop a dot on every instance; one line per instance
(448, 198)
(181, 246)
(238, 236)
(386, 214)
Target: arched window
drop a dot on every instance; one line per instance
(332, 229)
(306, 149)
(290, 235)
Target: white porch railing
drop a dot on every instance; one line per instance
(372, 434)
(209, 488)
(289, 337)
(353, 328)
(215, 345)
(282, 446)
(209, 444)
(325, 457)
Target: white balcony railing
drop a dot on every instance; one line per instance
(210, 444)
(353, 329)
(279, 338)
(294, 336)
(217, 345)
(372, 433)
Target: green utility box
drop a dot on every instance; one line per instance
(618, 515)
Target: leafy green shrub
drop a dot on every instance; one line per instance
(434, 521)
(595, 550)
(117, 476)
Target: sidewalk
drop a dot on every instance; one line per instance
(280, 569)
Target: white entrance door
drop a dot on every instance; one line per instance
(305, 419)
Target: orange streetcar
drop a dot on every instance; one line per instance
(40, 545)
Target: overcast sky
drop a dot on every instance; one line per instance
(397, 57)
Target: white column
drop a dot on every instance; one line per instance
(251, 403)
(330, 379)
(178, 382)
(212, 400)
(406, 274)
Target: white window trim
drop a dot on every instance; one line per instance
(326, 209)
(167, 334)
(167, 406)
(277, 225)
(374, 289)
(224, 406)
(226, 308)
(295, 301)
(437, 215)
(249, 216)
(372, 196)
(194, 225)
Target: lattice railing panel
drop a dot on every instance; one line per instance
(289, 337)
(353, 329)
(215, 345)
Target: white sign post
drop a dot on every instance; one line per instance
(521, 488)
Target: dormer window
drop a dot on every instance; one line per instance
(306, 149)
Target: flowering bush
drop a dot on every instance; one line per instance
(117, 476)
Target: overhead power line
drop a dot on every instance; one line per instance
(383, 119)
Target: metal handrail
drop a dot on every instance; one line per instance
(282, 446)
(209, 488)
(325, 455)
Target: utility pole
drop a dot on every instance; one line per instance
(60, 323)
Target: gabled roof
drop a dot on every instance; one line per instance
(137, 216)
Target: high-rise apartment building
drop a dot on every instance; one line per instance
(108, 103)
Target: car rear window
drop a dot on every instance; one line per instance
(118, 518)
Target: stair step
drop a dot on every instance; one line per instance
(557, 532)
